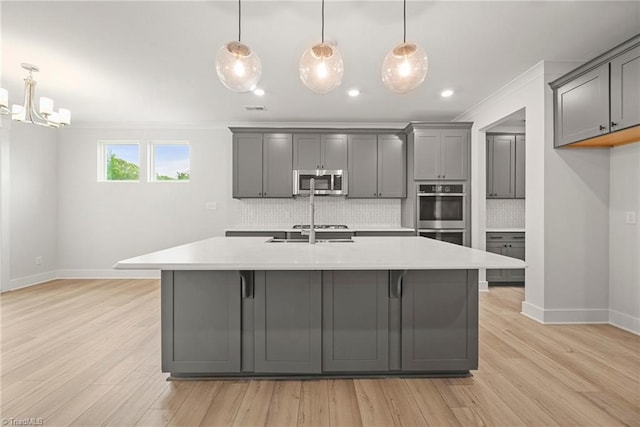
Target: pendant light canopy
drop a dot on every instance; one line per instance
(238, 67)
(321, 67)
(405, 67)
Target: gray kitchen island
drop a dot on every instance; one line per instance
(235, 307)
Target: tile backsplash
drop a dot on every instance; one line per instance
(329, 210)
(505, 213)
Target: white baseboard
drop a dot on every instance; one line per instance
(108, 274)
(532, 311)
(483, 286)
(624, 321)
(34, 279)
(566, 315)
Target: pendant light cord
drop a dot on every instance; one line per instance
(323, 21)
(404, 37)
(239, 20)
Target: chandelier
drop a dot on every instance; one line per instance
(27, 112)
(238, 67)
(321, 67)
(405, 67)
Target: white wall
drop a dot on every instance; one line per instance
(567, 193)
(624, 241)
(103, 222)
(32, 204)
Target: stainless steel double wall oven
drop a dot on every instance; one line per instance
(442, 211)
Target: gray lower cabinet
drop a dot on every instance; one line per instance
(355, 321)
(200, 321)
(288, 322)
(507, 244)
(377, 166)
(262, 165)
(440, 320)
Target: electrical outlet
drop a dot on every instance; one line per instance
(38, 260)
(212, 205)
(630, 217)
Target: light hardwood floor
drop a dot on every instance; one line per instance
(87, 352)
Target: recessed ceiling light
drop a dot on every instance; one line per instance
(446, 93)
(258, 92)
(353, 92)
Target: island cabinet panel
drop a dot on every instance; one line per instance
(200, 321)
(355, 321)
(440, 320)
(288, 322)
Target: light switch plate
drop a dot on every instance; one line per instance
(212, 205)
(630, 217)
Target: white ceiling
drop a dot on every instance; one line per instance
(153, 61)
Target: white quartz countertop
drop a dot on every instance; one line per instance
(357, 228)
(365, 253)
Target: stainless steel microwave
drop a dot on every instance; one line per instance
(327, 182)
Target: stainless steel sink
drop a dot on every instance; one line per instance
(275, 240)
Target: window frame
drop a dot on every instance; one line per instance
(102, 159)
(151, 160)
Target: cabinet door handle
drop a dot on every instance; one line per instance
(614, 124)
(444, 176)
(602, 127)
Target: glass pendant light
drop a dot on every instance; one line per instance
(238, 67)
(321, 66)
(405, 67)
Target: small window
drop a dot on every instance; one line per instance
(119, 161)
(169, 161)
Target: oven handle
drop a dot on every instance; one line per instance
(441, 194)
(440, 230)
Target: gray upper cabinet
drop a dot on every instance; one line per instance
(625, 90)
(441, 154)
(500, 166)
(355, 321)
(277, 171)
(363, 166)
(247, 165)
(583, 107)
(598, 99)
(262, 165)
(505, 166)
(392, 172)
(377, 166)
(521, 163)
(320, 151)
